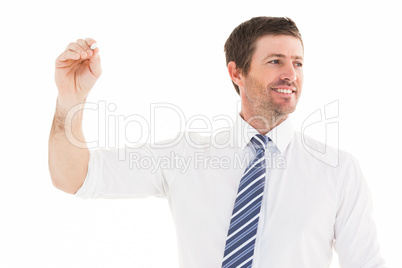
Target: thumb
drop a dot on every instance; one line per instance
(95, 63)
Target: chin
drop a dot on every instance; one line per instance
(285, 112)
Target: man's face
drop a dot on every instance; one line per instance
(273, 85)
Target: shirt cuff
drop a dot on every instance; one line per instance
(89, 187)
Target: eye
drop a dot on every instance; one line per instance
(274, 61)
(299, 64)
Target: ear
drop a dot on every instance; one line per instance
(235, 74)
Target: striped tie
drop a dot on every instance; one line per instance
(242, 233)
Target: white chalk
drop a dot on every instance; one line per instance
(93, 46)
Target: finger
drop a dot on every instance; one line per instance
(93, 50)
(83, 44)
(75, 47)
(90, 41)
(95, 63)
(68, 55)
(85, 48)
(73, 52)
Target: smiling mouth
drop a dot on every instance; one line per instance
(283, 90)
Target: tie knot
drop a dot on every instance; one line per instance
(259, 141)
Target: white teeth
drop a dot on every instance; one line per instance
(287, 91)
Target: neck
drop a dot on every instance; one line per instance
(263, 123)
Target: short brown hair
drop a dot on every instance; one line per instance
(240, 45)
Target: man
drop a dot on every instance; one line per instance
(250, 196)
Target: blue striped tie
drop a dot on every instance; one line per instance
(242, 233)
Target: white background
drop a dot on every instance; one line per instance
(170, 51)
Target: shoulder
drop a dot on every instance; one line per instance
(321, 152)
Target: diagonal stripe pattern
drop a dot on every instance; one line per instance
(242, 232)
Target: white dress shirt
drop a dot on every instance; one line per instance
(315, 196)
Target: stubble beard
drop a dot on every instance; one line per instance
(263, 108)
(263, 105)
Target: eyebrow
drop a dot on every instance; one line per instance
(281, 56)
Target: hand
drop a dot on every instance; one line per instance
(77, 70)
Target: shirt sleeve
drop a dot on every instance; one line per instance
(124, 173)
(355, 232)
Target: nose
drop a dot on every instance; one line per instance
(288, 73)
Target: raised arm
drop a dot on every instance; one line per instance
(77, 70)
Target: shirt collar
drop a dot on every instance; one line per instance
(281, 135)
